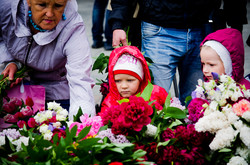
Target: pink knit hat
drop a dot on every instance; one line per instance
(127, 64)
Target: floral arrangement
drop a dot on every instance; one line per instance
(49, 138)
(163, 134)
(223, 109)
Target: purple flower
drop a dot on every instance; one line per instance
(215, 75)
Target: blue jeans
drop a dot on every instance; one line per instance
(98, 18)
(170, 48)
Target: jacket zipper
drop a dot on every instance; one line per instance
(29, 48)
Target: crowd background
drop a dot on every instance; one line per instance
(85, 9)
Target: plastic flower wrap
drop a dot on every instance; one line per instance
(226, 116)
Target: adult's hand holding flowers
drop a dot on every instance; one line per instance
(9, 73)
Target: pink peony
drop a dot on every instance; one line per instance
(136, 113)
(95, 123)
(27, 111)
(195, 109)
(241, 107)
(21, 123)
(10, 118)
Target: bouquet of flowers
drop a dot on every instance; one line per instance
(49, 138)
(223, 109)
(163, 134)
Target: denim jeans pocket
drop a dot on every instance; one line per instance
(149, 29)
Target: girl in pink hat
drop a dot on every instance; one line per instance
(223, 52)
(129, 75)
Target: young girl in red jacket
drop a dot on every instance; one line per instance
(128, 75)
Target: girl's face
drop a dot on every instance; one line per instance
(47, 13)
(211, 62)
(126, 84)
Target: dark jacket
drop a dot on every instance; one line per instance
(176, 13)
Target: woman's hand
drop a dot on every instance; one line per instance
(10, 71)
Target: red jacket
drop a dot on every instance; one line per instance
(159, 94)
(232, 40)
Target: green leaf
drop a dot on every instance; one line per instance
(84, 132)
(1, 76)
(118, 150)
(103, 128)
(78, 115)
(123, 145)
(163, 143)
(138, 154)
(73, 131)
(187, 100)
(123, 100)
(146, 94)
(175, 123)
(225, 150)
(175, 113)
(167, 101)
(101, 63)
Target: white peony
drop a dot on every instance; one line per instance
(244, 152)
(237, 160)
(212, 122)
(151, 130)
(223, 138)
(43, 128)
(48, 135)
(246, 116)
(245, 135)
(54, 106)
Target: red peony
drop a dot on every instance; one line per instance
(195, 109)
(17, 102)
(135, 113)
(60, 133)
(111, 114)
(21, 123)
(29, 101)
(116, 163)
(32, 123)
(104, 88)
(19, 115)
(167, 134)
(10, 118)
(9, 107)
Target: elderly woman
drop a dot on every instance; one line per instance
(49, 37)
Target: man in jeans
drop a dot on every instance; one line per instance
(171, 34)
(100, 14)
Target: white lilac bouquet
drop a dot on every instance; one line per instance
(225, 113)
